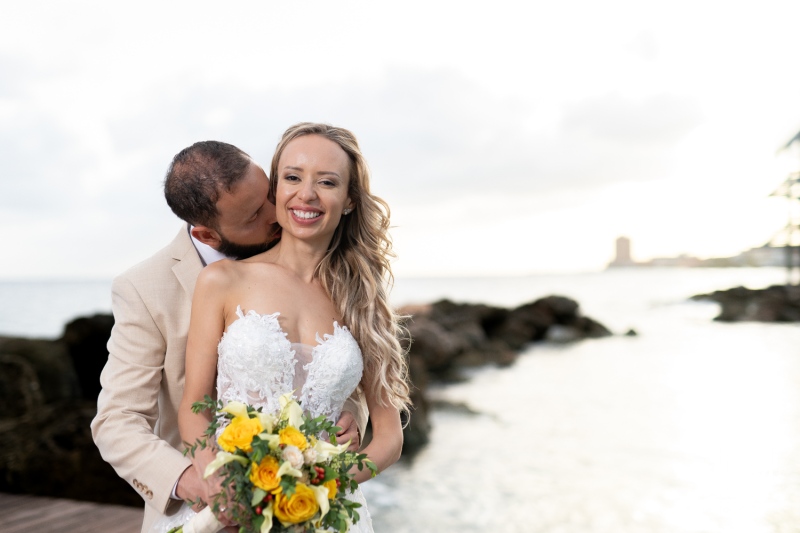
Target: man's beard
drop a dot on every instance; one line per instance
(241, 251)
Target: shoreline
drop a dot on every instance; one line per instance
(51, 385)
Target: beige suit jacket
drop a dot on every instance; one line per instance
(136, 427)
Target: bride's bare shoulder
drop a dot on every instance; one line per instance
(218, 274)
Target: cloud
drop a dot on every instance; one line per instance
(658, 120)
(39, 161)
(431, 136)
(427, 133)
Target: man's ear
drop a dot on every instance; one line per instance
(207, 236)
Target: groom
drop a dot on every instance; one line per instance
(222, 196)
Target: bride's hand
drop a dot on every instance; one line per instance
(349, 431)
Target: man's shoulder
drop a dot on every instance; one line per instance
(160, 263)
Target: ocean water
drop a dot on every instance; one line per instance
(42, 308)
(692, 426)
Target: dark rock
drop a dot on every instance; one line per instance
(525, 324)
(631, 333)
(44, 427)
(432, 343)
(86, 339)
(450, 336)
(589, 328)
(562, 309)
(34, 372)
(416, 432)
(453, 315)
(779, 303)
(49, 452)
(494, 351)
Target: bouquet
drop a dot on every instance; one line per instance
(277, 473)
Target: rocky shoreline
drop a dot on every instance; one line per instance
(48, 397)
(778, 303)
(49, 388)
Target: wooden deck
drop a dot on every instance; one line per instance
(20, 513)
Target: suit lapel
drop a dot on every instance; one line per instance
(188, 265)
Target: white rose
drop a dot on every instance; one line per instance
(293, 455)
(310, 455)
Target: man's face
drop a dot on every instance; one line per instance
(246, 221)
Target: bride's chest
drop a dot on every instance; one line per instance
(255, 353)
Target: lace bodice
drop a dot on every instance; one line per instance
(257, 364)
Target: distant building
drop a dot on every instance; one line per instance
(622, 256)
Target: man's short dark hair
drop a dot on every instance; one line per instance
(198, 175)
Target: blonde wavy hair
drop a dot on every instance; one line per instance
(356, 271)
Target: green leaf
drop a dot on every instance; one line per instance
(258, 495)
(288, 485)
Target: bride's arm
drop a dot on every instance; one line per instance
(387, 436)
(205, 330)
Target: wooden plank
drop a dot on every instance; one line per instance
(21, 514)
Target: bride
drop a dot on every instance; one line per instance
(311, 314)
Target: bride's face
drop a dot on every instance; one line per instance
(313, 179)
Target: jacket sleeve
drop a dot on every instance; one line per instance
(356, 405)
(127, 408)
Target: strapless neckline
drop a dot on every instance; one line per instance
(337, 329)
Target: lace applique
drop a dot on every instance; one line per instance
(333, 373)
(256, 361)
(257, 364)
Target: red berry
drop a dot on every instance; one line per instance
(258, 510)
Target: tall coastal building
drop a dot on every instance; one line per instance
(622, 256)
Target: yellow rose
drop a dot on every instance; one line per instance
(332, 489)
(299, 507)
(293, 437)
(239, 434)
(265, 474)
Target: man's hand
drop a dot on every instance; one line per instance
(192, 487)
(349, 431)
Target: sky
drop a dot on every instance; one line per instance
(509, 138)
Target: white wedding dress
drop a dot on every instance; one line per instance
(257, 364)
